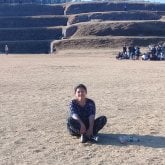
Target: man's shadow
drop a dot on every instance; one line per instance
(144, 140)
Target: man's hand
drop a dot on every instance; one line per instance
(82, 126)
(89, 132)
(82, 129)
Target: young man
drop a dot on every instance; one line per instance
(6, 50)
(81, 121)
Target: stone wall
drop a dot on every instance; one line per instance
(33, 21)
(42, 46)
(150, 28)
(113, 16)
(30, 10)
(30, 34)
(76, 8)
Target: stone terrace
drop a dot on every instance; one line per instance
(36, 28)
(30, 28)
(108, 24)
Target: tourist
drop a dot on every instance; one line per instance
(124, 49)
(130, 52)
(6, 50)
(81, 121)
(145, 56)
(119, 56)
(125, 7)
(133, 52)
(137, 52)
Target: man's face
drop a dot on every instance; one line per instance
(80, 94)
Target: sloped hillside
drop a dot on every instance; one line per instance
(113, 16)
(106, 24)
(128, 28)
(77, 8)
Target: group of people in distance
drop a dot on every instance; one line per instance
(156, 52)
(131, 52)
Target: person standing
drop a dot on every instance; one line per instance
(124, 49)
(6, 50)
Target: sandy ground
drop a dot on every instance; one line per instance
(35, 92)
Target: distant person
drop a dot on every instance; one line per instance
(158, 50)
(124, 49)
(125, 7)
(153, 50)
(133, 52)
(81, 121)
(6, 50)
(145, 56)
(119, 56)
(130, 52)
(163, 53)
(137, 52)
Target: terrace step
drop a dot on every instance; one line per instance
(37, 33)
(113, 16)
(33, 21)
(30, 10)
(106, 42)
(116, 28)
(31, 46)
(76, 8)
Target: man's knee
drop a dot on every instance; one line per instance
(104, 118)
(73, 126)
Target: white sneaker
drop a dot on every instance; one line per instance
(94, 138)
(83, 138)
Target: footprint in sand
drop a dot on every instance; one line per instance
(32, 130)
(20, 141)
(39, 150)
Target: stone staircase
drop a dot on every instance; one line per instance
(105, 24)
(30, 28)
(35, 28)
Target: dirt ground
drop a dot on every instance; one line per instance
(35, 91)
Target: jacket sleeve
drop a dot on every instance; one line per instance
(72, 108)
(92, 108)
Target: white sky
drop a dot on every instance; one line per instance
(161, 1)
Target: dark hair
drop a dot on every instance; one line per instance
(80, 86)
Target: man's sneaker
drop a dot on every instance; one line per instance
(94, 139)
(83, 138)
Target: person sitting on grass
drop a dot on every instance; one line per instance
(81, 121)
(119, 56)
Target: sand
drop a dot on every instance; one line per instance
(35, 91)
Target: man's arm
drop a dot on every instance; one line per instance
(76, 117)
(83, 128)
(91, 124)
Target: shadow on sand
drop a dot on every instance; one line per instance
(145, 140)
